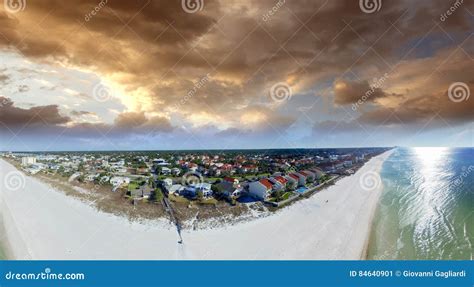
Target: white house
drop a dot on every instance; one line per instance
(105, 179)
(175, 188)
(260, 189)
(167, 182)
(193, 189)
(119, 180)
(91, 177)
(165, 170)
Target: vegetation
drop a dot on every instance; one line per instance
(178, 199)
(157, 195)
(199, 195)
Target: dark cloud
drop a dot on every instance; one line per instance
(130, 119)
(138, 122)
(15, 117)
(48, 120)
(349, 92)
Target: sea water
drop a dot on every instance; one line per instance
(426, 210)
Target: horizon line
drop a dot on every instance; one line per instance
(227, 149)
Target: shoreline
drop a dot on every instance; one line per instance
(332, 224)
(374, 210)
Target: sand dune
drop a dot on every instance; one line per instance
(42, 223)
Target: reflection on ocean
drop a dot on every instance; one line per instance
(427, 207)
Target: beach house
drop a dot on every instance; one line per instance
(165, 170)
(310, 176)
(260, 189)
(279, 183)
(317, 172)
(119, 180)
(143, 191)
(193, 189)
(175, 189)
(167, 182)
(301, 178)
(292, 181)
(230, 187)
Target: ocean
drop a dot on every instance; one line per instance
(426, 210)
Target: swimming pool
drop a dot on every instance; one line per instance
(301, 189)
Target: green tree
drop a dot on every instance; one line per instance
(157, 195)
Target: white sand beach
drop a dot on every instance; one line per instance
(41, 223)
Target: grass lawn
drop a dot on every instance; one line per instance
(178, 199)
(132, 186)
(286, 195)
(211, 201)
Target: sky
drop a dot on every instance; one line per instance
(210, 74)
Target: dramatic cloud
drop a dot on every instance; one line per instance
(47, 119)
(347, 92)
(15, 117)
(169, 68)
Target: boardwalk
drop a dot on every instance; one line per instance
(173, 218)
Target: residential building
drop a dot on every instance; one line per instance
(292, 181)
(28, 160)
(260, 189)
(119, 180)
(301, 178)
(280, 182)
